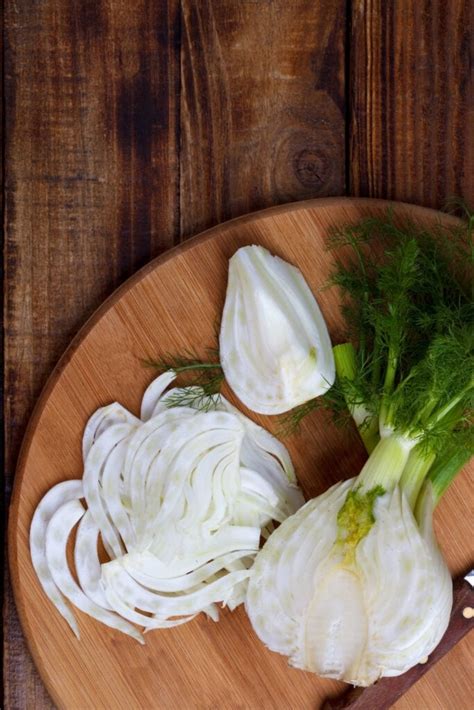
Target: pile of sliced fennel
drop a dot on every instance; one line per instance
(179, 499)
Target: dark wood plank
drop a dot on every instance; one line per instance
(412, 96)
(262, 105)
(91, 194)
(94, 160)
(97, 182)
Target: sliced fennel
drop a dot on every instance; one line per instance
(179, 500)
(54, 499)
(274, 345)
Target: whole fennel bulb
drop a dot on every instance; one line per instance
(274, 344)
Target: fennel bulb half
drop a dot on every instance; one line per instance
(274, 344)
(352, 586)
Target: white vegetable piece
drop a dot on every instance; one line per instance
(56, 497)
(57, 533)
(263, 452)
(86, 560)
(179, 502)
(354, 615)
(274, 344)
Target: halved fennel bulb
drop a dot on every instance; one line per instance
(346, 603)
(274, 344)
(179, 499)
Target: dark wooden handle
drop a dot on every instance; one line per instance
(386, 692)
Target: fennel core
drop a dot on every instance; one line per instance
(355, 518)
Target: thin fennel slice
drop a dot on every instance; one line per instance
(57, 534)
(114, 494)
(86, 560)
(197, 551)
(101, 420)
(56, 497)
(93, 468)
(182, 583)
(153, 394)
(139, 597)
(116, 600)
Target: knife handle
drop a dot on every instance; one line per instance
(387, 691)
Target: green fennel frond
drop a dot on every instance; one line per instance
(440, 384)
(187, 361)
(290, 422)
(200, 379)
(406, 302)
(204, 398)
(332, 401)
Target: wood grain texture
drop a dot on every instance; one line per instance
(412, 100)
(131, 125)
(91, 194)
(172, 304)
(262, 105)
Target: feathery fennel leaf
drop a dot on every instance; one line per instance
(201, 380)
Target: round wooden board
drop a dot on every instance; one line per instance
(171, 304)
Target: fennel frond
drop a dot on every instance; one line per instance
(203, 378)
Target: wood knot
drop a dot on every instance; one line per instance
(311, 167)
(305, 167)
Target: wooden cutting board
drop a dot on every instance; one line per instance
(171, 304)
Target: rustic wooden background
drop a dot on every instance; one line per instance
(132, 125)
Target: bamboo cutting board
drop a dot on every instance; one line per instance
(171, 304)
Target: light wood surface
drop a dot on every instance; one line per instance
(173, 303)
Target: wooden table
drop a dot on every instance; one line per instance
(132, 125)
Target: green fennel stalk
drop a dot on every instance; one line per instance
(406, 372)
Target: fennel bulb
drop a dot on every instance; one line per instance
(353, 586)
(274, 344)
(349, 608)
